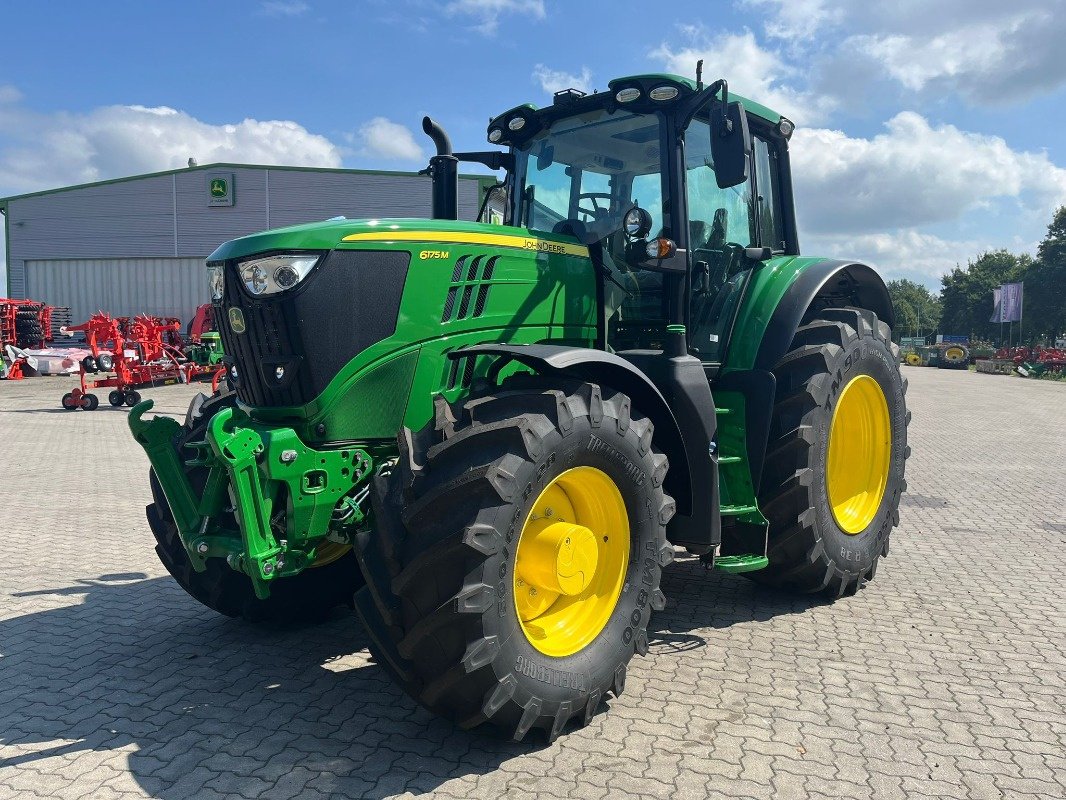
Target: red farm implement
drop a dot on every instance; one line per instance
(133, 353)
(25, 324)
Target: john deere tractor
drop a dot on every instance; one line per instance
(491, 437)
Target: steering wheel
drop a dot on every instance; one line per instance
(595, 212)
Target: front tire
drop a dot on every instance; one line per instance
(447, 602)
(834, 468)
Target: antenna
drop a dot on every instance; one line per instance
(699, 75)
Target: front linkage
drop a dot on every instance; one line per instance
(318, 492)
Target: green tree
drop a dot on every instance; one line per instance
(966, 294)
(917, 310)
(1045, 284)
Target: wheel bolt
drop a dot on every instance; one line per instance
(202, 548)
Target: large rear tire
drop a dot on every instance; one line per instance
(834, 469)
(452, 577)
(308, 596)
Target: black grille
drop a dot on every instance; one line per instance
(348, 303)
(469, 291)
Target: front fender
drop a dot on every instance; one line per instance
(606, 369)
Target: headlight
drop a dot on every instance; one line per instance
(216, 279)
(275, 273)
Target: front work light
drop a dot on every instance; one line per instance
(216, 279)
(275, 274)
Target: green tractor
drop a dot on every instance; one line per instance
(491, 438)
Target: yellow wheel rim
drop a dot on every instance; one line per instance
(571, 563)
(954, 354)
(914, 359)
(328, 552)
(860, 448)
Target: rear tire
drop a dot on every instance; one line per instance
(115, 398)
(308, 596)
(809, 549)
(440, 598)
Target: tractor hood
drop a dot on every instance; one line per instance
(335, 233)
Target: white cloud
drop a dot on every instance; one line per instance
(552, 81)
(797, 19)
(914, 174)
(9, 94)
(751, 70)
(285, 8)
(921, 257)
(488, 12)
(991, 61)
(382, 138)
(46, 150)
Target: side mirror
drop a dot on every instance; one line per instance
(730, 144)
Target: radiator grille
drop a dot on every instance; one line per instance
(469, 290)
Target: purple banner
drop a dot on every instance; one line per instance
(1011, 302)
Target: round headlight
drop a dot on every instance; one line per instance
(495, 135)
(627, 95)
(637, 223)
(663, 93)
(517, 123)
(286, 276)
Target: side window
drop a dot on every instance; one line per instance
(551, 198)
(768, 199)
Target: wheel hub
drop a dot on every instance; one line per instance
(859, 454)
(571, 561)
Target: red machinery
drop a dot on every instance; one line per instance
(202, 322)
(1020, 355)
(24, 323)
(140, 351)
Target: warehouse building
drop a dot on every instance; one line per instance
(137, 245)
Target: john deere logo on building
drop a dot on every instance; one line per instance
(220, 188)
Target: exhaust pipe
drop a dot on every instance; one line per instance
(443, 170)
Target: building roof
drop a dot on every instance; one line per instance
(223, 165)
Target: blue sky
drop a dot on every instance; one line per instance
(928, 131)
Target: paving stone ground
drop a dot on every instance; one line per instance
(945, 677)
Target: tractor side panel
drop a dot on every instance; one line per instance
(454, 295)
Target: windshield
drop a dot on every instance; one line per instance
(591, 168)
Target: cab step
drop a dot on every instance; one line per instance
(745, 563)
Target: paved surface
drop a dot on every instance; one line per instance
(946, 677)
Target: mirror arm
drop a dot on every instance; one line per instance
(700, 98)
(493, 159)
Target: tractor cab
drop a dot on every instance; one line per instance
(679, 191)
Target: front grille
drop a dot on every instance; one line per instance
(350, 301)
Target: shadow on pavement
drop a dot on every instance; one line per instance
(208, 702)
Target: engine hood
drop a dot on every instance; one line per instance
(335, 233)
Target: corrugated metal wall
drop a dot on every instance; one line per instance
(166, 219)
(164, 287)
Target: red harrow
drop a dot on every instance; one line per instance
(139, 351)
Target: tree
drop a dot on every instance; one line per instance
(966, 294)
(1045, 284)
(917, 310)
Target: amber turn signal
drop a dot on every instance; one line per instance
(660, 248)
